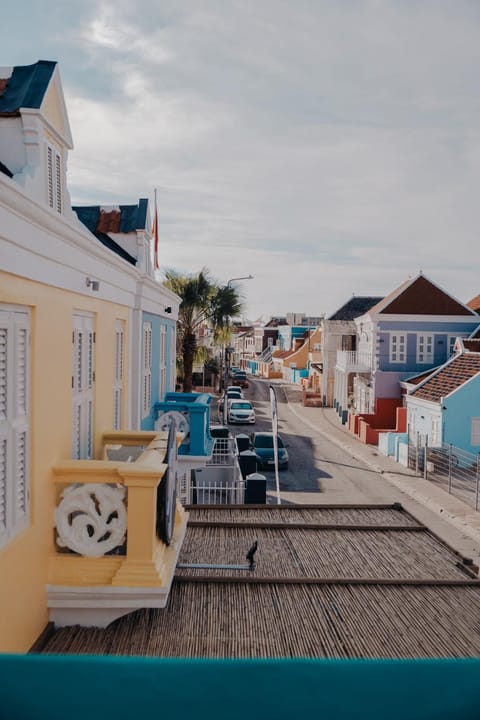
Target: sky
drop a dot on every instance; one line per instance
(329, 148)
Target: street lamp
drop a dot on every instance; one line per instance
(245, 277)
(229, 282)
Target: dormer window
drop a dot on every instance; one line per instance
(54, 179)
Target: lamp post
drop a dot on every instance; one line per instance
(224, 350)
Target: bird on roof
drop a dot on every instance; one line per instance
(251, 554)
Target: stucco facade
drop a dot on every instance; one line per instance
(71, 315)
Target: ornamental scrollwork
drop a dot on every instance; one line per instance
(91, 519)
(181, 421)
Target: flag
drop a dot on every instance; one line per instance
(156, 266)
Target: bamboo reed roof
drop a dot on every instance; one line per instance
(333, 582)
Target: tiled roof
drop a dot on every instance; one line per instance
(476, 334)
(474, 303)
(280, 354)
(455, 373)
(472, 344)
(417, 379)
(359, 582)
(26, 87)
(355, 307)
(419, 296)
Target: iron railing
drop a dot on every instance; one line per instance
(456, 470)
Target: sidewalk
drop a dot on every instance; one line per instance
(454, 521)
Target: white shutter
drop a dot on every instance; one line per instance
(50, 177)
(163, 362)
(14, 421)
(3, 485)
(58, 184)
(475, 431)
(118, 374)
(83, 376)
(54, 179)
(147, 369)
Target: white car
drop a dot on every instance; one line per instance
(240, 411)
(234, 390)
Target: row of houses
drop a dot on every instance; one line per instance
(387, 364)
(87, 336)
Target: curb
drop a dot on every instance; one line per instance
(418, 496)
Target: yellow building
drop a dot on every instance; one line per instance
(71, 314)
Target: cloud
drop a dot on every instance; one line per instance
(325, 147)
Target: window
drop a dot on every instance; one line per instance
(54, 179)
(83, 377)
(475, 431)
(397, 348)
(14, 421)
(163, 362)
(425, 348)
(436, 433)
(317, 347)
(147, 369)
(119, 359)
(451, 345)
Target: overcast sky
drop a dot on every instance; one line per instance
(327, 147)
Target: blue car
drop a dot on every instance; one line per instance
(262, 445)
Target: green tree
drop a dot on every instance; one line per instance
(203, 301)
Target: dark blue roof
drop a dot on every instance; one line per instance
(132, 218)
(26, 87)
(5, 170)
(355, 307)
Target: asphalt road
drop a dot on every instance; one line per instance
(316, 466)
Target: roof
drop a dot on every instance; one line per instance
(121, 219)
(5, 170)
(420, 296)
(26, 87)
(451, 376)
(420, 377)
(472, 344)
(474, 303)
(330, 581)
(355, 307)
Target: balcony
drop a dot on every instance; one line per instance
(118, 531)
(191, 412)
(352, 361)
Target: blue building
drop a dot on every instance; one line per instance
(445, 407)
(411, 330)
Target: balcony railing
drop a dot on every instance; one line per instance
(353, 361)
(106, 532)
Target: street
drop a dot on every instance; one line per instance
(319, 469)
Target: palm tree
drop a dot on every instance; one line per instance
(203, 301)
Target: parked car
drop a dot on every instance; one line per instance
(240, 411)
(262, 445)
(234, 390)
(240, 378)
(220, 431)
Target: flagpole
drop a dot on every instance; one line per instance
(273, 406)
(156, 266)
